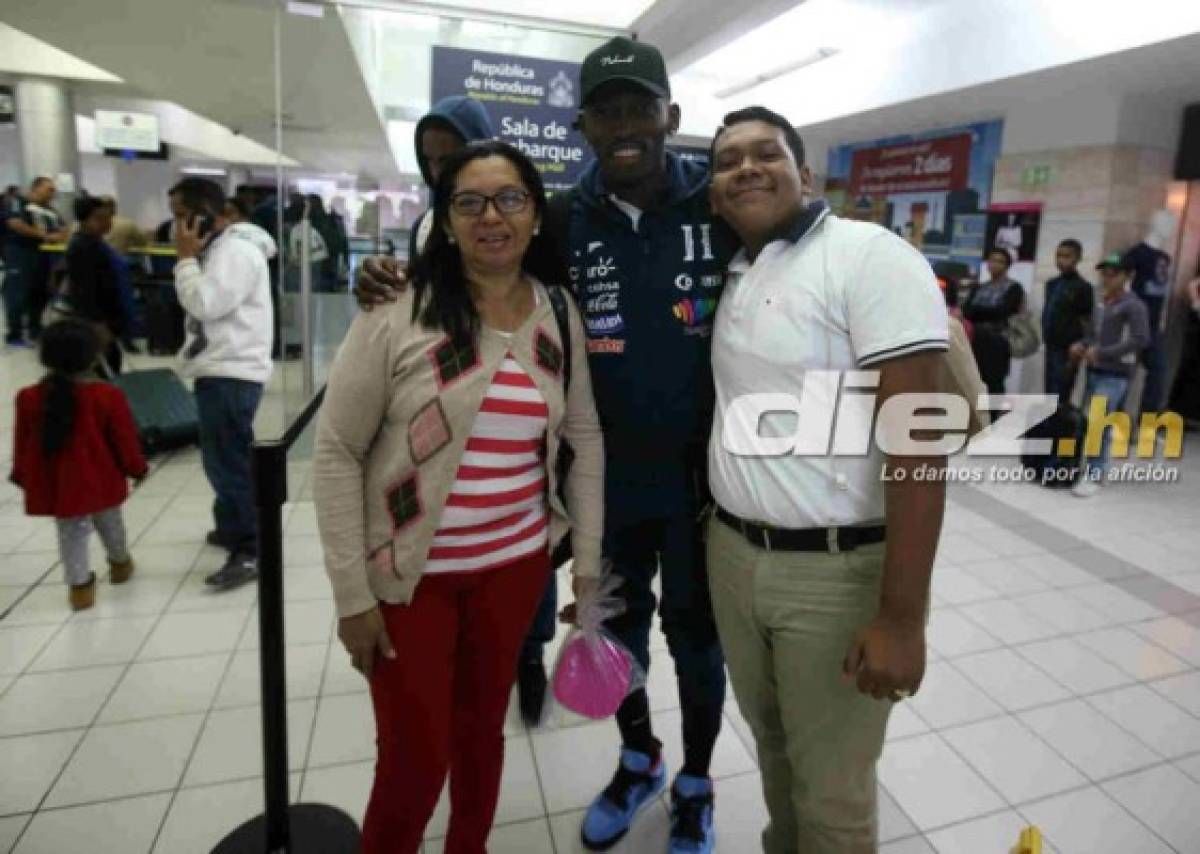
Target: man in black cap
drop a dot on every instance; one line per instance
(647, 266)
(647, 263)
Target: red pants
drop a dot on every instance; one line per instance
(440, 704)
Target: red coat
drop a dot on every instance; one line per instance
(89, 474)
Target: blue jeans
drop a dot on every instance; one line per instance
(1113, 388)
(226, 408)
(18, 278)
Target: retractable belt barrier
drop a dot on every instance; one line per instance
(282, 828)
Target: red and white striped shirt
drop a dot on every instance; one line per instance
(497, 512)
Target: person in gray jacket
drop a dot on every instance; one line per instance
(449, 125)
(1120, 330)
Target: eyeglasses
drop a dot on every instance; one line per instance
(508, 201)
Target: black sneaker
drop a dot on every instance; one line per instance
(637, 784)
(531, 689)
(238, 570)
(692, 816)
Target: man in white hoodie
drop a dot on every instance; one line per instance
(224, 286)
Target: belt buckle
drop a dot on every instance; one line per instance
(766, 538)
(831, 540)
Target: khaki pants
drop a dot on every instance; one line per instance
(786, 621)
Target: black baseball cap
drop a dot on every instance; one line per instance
(1114, 261)
(624, 59)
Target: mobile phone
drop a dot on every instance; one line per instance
(205, 222)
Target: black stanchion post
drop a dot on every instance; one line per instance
(302, 828)
(270, 480)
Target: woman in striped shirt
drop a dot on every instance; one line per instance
(437, 498)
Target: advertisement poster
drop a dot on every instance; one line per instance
(1014, 228)
(532, 104)
(931, 188)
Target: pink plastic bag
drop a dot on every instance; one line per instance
(595, 672)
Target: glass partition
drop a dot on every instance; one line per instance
(355, 80)
(304, 111)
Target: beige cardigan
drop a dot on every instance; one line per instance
(398, 410)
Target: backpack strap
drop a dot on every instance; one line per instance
(556, 221)
(558, 302)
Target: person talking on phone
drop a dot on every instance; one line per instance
(225, 289)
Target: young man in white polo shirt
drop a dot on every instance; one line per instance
(819, 570)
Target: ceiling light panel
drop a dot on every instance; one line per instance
(608, 13)
(812, 30)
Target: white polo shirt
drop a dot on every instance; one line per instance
(835, 295)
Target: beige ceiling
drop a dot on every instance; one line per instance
(216, 58)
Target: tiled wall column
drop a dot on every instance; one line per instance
(1102, 196)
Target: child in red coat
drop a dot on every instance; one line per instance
(75, 445)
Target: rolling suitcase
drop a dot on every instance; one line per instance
(163, 408)
(1067, 429)
(164, 323)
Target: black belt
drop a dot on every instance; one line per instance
(832, 540)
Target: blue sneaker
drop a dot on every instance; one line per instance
(692, 815)
(18, 344)
(635, 785)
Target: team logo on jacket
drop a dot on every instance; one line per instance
(604, 302)
(696, 314)
(605, 324)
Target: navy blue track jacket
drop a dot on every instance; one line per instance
(648, 296)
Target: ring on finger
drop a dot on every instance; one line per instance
(900, 694)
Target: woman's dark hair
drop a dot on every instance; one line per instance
(441, 298)
(68, 347)
(316, 207)
(293, 212)
(85, 206)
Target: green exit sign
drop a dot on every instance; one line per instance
(1035, 176)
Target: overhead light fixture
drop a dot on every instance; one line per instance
(775, 73)
(308, 10)
(209, 171)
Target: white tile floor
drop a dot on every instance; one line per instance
(1062, 689)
